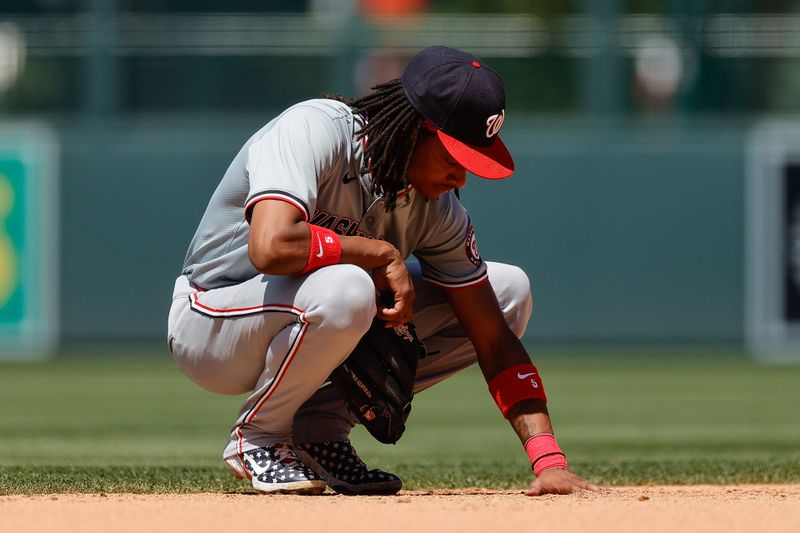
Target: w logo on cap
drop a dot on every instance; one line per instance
(494, 123)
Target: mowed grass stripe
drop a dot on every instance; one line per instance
(137, 424)
(499, 475)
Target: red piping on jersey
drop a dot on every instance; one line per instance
(257, 199)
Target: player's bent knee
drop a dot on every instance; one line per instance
(513, 290)
(349, 303)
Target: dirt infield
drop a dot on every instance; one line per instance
(728, 509)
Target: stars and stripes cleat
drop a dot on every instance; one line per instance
(276, 469)
(339, 465)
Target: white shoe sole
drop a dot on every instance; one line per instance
(310, 487)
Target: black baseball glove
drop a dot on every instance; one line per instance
(377, 379)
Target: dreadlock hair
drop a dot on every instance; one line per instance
(391, 132)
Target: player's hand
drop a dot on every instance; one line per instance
(395, 280)
(559, 481)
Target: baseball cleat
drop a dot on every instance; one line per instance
(276, 469)
(339, 465)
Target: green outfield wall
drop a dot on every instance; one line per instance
(630, 231)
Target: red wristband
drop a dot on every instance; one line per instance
(514, 384)
(326, 249)
(544, 453)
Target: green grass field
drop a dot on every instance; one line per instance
(135, 424)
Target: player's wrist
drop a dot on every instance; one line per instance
(544, 453)
(368, 253)
(390, 253)
(325, 249)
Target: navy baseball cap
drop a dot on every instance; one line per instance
(466, 101)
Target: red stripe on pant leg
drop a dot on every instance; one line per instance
(275, 384)
(280, 375)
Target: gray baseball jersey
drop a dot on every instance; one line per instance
(233, 331)
(309, 157)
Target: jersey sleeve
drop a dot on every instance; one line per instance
(288, 162)
(448, 251)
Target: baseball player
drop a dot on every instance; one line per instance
(322, 209)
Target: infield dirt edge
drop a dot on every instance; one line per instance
(708, 508)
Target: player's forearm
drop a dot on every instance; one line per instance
(367, 253)
(514, 383)
(284, 249)
(498, 350)
(281, 251)
(529, 418)
(518, 389)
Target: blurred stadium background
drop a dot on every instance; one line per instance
(631, 123)
(655, 207)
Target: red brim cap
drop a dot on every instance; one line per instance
(491, 162)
